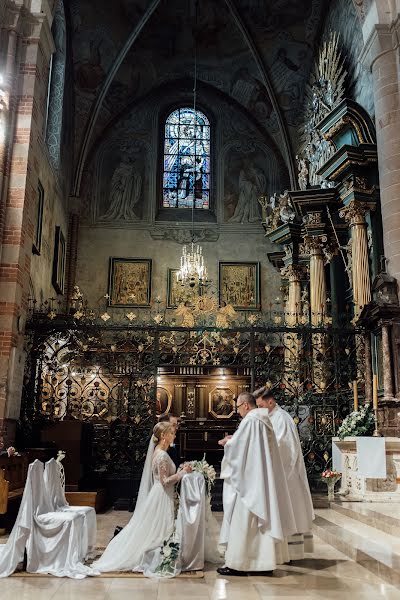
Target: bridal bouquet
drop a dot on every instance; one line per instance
(208, 472)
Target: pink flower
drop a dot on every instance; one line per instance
(11, 451)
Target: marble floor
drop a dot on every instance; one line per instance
(327, 573)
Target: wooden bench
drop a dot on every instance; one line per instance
(13, 472)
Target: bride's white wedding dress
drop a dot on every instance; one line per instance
(134, 548)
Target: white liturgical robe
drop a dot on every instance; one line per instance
(293, 464)
(257, 509)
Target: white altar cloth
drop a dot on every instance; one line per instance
(371, 457)
(356, 487)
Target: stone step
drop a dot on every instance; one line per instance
(361, 512)
(373, 549)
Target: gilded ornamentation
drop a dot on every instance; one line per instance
(278, 211)
(355, 212)
(312, 218)
(292, 272)
(324, 92)
(224, 315)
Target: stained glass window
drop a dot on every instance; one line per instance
(186, 174)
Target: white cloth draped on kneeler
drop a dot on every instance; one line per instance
(371, 457)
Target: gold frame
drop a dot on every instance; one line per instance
(210, 401)
(169, 400)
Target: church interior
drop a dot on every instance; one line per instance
(199, 199)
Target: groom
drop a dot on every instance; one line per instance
(257, 508)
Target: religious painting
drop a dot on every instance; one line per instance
(129, 282)
(221, 403)
(245, 181)
(37, 240)
(178, 293)
(239, 285)
(186, 173)
(58, 276)
(163, 401)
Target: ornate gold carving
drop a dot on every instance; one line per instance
(313, 243)
(355, 212)
(312, 218)
(292, 272)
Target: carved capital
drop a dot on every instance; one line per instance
(313, 244)
(355, 212)
(292, 273)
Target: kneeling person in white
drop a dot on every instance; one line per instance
(293, 464)
(257, 509)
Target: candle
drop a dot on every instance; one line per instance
(355, 394)
(375, 391)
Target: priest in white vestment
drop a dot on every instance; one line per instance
(257, 509)
(293, 463)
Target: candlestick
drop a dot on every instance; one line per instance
(374, 392)
(355, 395)
(375, 404)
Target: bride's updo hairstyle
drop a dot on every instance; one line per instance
(159, 429)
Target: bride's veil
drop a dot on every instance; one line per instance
(146, 481)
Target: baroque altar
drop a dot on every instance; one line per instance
(356, 488)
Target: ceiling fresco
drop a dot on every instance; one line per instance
(258, 53)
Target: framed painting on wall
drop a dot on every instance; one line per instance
(239, 285)
(221, 403)
(176, 293)
(129, 282)
(58, 277)
(163, 401)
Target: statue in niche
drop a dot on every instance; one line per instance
(125, 193)
(252, 184)
(302, 169)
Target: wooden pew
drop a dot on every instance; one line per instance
(13, 473)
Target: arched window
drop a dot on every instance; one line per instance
(55, 93)
(186, 172)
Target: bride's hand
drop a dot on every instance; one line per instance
(187, 469)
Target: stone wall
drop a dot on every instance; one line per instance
(27, 45)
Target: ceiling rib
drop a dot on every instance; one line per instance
(269, 87)
(102, 94)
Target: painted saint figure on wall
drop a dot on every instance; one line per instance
(252, 184)
(125, 193)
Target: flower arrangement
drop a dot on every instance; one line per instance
(169, 553)
(208, 472)
(357, 423)
(331, 477)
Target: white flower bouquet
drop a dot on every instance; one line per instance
(357, 423)
(208, 472)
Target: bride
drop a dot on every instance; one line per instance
(135, 547)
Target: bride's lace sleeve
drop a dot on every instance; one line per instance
(163, 464)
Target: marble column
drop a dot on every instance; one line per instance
(354, 214)
(293, 273)
(293, 311)
(381, 56)
(314, 246)
(387, 363)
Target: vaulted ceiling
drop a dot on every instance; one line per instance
(257, 53)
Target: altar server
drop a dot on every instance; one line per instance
(293, 464)
(257, 509)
